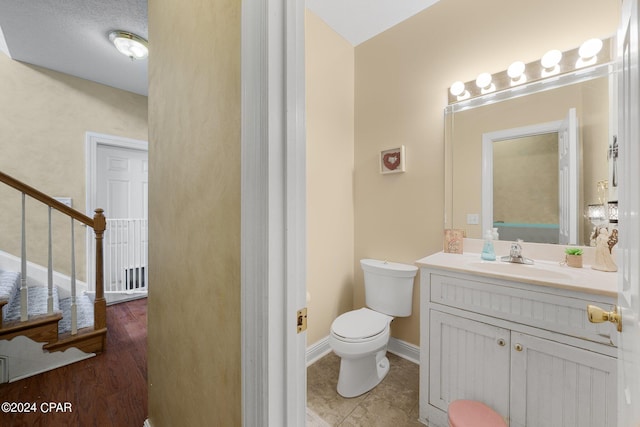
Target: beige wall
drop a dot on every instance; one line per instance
(194, 354)
(330, 92)
(401, 80)
(525, 179)
(44, 116)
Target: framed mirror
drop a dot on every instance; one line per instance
(529, 161)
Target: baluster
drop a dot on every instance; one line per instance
(24, 292)
(118, 254)
(127, 249)
(50, 271)
(74, 308)
(136, 254)
(100, 305)
(111, 240)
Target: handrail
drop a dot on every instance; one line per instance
(46, 199)
(99, 225)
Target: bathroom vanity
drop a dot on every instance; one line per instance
(516, 337)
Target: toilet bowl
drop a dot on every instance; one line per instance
(360, 337)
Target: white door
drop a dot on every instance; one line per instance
(568, 179)
(122, 191)
(629, 207)
(122, 182)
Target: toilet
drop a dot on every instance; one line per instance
(360, 337)
(471, 413)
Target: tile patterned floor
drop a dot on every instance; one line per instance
(393, 403)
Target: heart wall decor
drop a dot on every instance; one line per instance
(392, 160)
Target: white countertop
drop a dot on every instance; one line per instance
(543, 273)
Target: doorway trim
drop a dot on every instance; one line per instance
(92, 141)
(273, 193)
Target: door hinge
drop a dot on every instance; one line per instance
(302, 319)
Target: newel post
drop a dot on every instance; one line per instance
(100, 304)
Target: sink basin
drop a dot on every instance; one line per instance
(534, 271)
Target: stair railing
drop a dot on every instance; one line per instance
(98, 223)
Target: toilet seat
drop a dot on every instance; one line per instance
(361, 325)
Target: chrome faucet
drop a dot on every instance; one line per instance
(515, 254)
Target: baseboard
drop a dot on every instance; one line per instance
(318, 350)
(398, 347)
(405, 350)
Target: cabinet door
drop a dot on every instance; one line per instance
(468, 360)
(555, 384)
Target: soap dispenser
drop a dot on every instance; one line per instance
(496, 235)
(488, 252)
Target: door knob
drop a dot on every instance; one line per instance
(598, 315)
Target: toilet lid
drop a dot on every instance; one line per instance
(360, 324)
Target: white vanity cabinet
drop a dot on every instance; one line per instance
(528, 351)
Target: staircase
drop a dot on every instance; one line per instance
(37, 312)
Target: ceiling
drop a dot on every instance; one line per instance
(71, 36)
(359, 20)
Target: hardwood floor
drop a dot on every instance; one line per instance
(107, 390)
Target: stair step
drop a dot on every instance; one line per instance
(38, 296)
(9, 285)
(84, 309)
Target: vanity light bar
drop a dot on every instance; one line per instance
(552, 63)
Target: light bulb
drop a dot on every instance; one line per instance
(483, 81)
(516, 69)
(457, 88)
(551, 59)
(590, 48)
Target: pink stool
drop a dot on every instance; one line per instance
(469, 413)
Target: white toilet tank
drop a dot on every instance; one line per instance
(388, 286)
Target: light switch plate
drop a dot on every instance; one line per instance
(473, 219)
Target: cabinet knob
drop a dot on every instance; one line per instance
(598, 315)
(518, 347)
(501, 342)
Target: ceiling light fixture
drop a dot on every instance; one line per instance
(129, 44)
